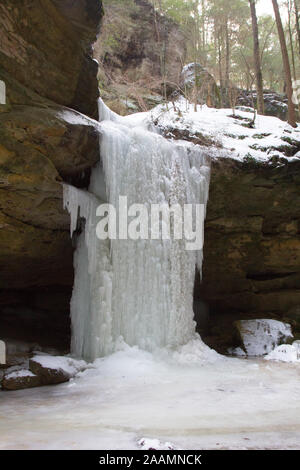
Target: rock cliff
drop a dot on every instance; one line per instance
(46, 64)
(252, 246)
(141, 54)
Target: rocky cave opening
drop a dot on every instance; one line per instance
(35, 319)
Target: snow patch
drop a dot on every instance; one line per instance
(19, 373)
(239, 142)
(237, 352)
(285, 353)
(67, 364)
(155, 444)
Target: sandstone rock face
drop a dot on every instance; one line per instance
(45, 47)
(252, 246)
(130, 49)
(50, 77)
(252, 243)
(39, 148)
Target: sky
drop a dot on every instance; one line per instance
(265, 7)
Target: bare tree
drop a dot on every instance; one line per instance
(289, 9)
(257, 63)
(286, 65)
(297, 21)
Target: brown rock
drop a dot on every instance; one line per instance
(46, 63)
(47, 375)
(252, 248)
(129, 49)
(20, 380)
(55, 369)
(45, 46)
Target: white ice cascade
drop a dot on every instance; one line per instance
(137, 290)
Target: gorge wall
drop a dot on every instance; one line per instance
(252, 246)
(140, 52)
(46, 64)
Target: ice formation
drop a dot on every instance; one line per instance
(137, 290)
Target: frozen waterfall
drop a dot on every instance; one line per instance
(138, 291)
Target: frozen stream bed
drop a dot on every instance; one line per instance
(222, 403)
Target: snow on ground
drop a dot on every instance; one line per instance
(285, 353)
(237, 140)
(132, 395)
(155, 444)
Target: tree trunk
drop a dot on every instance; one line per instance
(196, 52)
(291, 38)
(297, 21)
(203, 33)
(257, 63)
(220, 68)
(227, 69)
(286, 65)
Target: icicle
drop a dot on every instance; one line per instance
(141, 291)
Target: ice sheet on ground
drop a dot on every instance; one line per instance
(230, 403)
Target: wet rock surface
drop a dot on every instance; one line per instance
(252, 244)
(51, 81)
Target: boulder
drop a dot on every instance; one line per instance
(260, 337)
(275, 103)
(207, 89)
(19, 380)
(53, 370)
